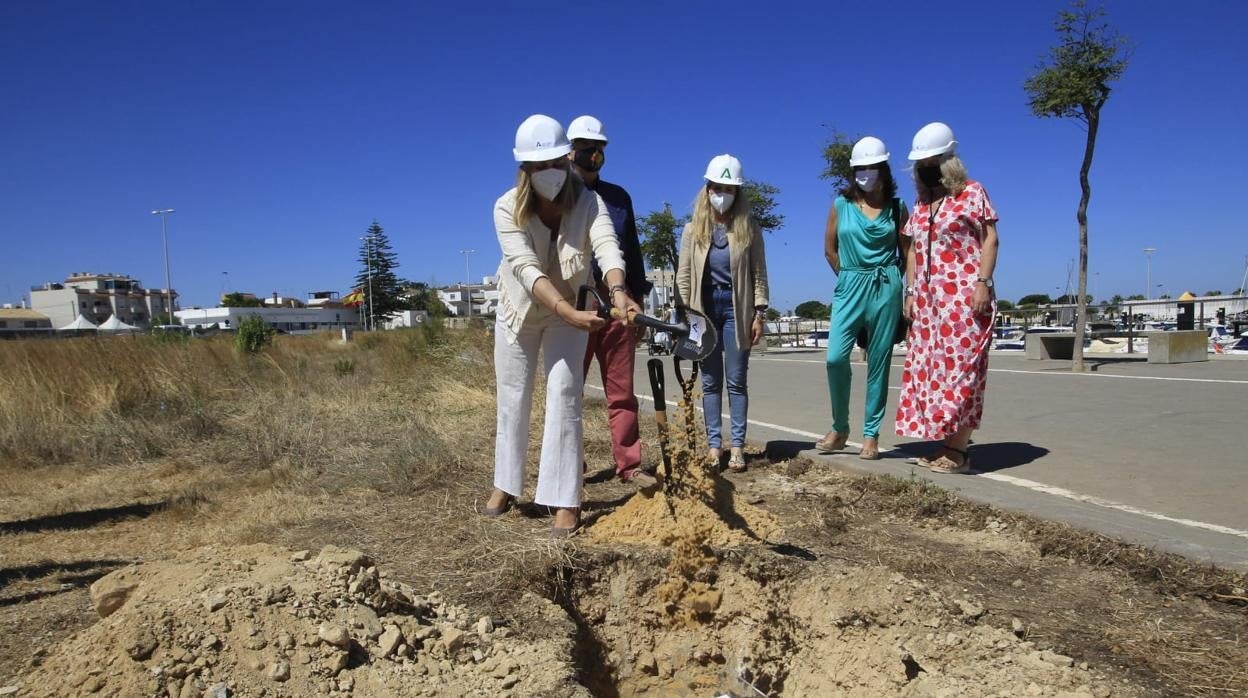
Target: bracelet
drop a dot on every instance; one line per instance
(617, 287)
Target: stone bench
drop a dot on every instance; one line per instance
(1050, 345)
(1178, 346)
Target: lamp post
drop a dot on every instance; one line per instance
(467, 278)
(164, 237)
(1148, 256)
(368, 245)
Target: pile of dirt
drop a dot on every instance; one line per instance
(693, 500)
(791, 629)
(260, 621)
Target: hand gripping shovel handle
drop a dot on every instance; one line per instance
(655, 368)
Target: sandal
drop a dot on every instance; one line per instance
(499, 510)
(835, 443)
(949, 466)
(736, 463)
(864, 454)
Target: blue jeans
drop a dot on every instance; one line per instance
(720, 312)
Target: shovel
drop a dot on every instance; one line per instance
(693, 334)
(655, 367)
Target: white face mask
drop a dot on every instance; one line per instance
(549, 182)
(722, 202)
(867, 180)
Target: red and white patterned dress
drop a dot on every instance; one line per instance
(946, 369)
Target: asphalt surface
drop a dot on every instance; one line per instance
(1151, 454)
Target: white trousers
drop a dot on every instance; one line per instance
(562, 348)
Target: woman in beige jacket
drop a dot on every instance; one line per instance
(723, 273)
(548, 225)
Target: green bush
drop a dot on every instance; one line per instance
(253, 334)
(344, 367)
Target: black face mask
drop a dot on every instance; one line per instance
(590, 159)
(929, 176)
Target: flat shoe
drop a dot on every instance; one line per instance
(868, 455)
(643, 480)
(736, 463)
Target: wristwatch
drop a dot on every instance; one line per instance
(986, 282)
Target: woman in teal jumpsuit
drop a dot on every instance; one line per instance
(861, 246)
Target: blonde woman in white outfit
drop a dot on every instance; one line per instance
(548, 225)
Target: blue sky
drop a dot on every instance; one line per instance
(280, 130)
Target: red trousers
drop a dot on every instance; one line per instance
(615, 347)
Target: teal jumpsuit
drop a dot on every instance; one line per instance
(868, 294)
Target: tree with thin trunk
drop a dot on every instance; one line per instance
(1075, 84)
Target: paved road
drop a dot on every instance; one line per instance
(1154, 454)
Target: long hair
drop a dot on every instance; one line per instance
(740, 223)
(953, 178)
(526, 195)
(888, 185)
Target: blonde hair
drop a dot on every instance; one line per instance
(526, 196)
(953, 178)
(740, 224)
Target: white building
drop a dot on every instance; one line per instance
(664, 281)
(97, 296)
(481, 298)
(289, 320)
(406, 318)
(17, 321)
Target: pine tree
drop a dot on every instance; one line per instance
(383, 294)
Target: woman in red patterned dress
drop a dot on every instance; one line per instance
(950, 298)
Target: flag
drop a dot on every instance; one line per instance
(354, 299)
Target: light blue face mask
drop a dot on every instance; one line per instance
(867, 180)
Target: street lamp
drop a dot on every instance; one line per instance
(164, 237)
(1148, 256)
(467, 278)
(368, 245)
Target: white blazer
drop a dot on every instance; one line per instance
(586, 229)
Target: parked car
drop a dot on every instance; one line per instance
(818, 338)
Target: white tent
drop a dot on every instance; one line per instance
(79, 323)
(112, 324)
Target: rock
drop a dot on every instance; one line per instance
(285, 641)
(478, 656)
(452, 638)
(485, 626)
(970, 609)
(335, 662)
(1016, 625)
(279, 670)
(256, 663)
(215, 603)
(300, 555)
(110, 592)
(210, 642)
(366, 620)
(8, 691)
(510, 681)
(1058, 660)
(142, 646)
(219, 690)
(390, 640)
(646, 664)
(255, 643)
(346, 684)
(333, 556)
(334, 634)
(93, 684)
(1017, 584)
(173, 688)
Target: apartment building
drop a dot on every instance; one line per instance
(96, 297)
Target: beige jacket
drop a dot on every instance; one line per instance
(527, 255)
(749, 278)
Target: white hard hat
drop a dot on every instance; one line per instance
(724, 169)
(540, 138)
(587, 127)
(868, 151)
(933, 139)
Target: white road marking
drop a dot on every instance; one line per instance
(1009, 479)
(1039, 373)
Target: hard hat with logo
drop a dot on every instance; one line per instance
(587, 127)
(933, 139)
(724, 169)
(868, 151)
(540, 138)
